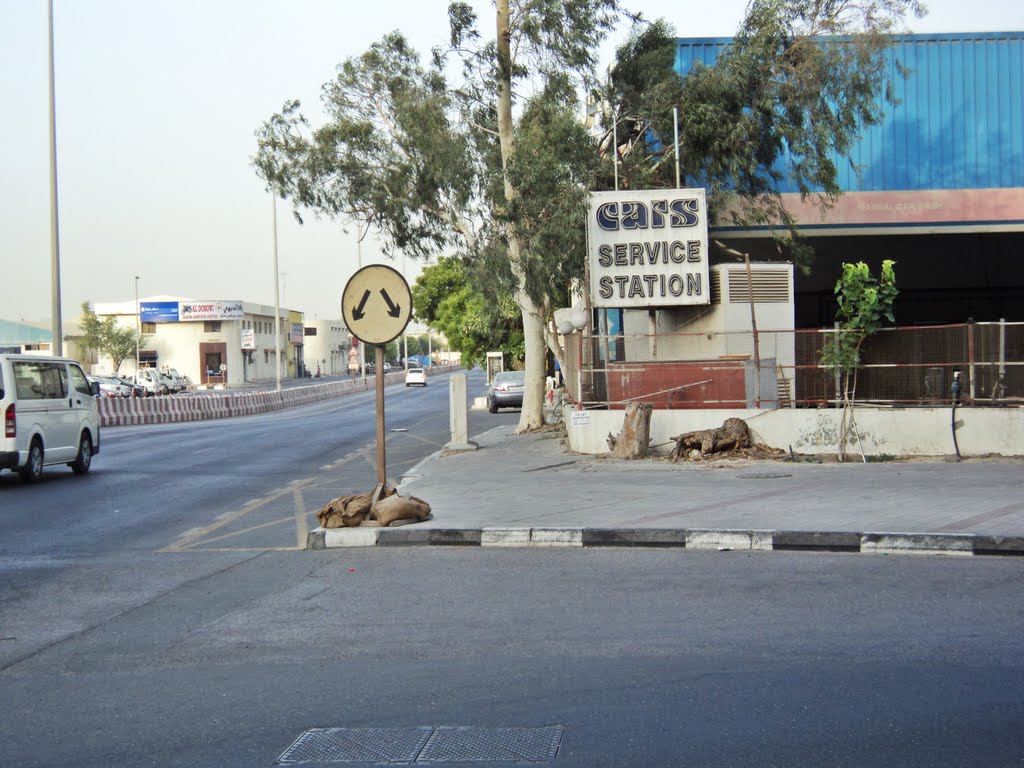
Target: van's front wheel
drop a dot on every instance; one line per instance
(81, 464)
(32, 472)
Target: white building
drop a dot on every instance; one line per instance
(211, 342)
(326, 347)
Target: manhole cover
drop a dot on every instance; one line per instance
(424, 744)
(763, 475)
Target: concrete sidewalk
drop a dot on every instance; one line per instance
(526, 490)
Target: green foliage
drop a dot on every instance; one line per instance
(106, 336)
(864, 303)
(793, 91)
(473, 324)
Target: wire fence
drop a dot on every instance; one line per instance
(903, 366)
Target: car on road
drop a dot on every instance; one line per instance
(506, 390)
(50, 414)
(415, 376)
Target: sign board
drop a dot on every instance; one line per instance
(248, 338)
(296, 335)
(158, 312)
(579, 418)
(648, 248)
(210, 310)
(376, 304)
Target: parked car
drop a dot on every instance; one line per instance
(50, 415)
(177, 382)
(415, 376)
(137, 390)
(172, 386)
(151, 380)
(111, 386)
(506, 390)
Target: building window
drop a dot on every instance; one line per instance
(309, 331)
(211, 326)
(149, 328)
(266, 355)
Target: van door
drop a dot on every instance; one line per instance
(83, 405)
(44, 408)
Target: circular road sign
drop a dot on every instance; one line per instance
(376, 304)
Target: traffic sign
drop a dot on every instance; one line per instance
(376, 304)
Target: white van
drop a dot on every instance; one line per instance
(50, 415)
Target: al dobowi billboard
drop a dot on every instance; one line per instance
(648, 248)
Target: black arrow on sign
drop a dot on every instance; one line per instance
(357, 313)
(393, 309)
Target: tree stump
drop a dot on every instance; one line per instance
(634, 441)
(733, 434)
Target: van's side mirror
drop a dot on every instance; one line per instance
(94, 388)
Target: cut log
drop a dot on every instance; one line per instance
(732, 435)
(634, 441)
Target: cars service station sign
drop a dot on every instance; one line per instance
(648, 248)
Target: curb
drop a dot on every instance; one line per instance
(883, 543)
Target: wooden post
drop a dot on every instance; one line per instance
(382, 472)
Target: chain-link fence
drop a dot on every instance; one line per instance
(769, 369)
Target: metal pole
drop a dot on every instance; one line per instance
(675, 125)
(138, 326)
(362, 346)
(58, 330)
(382, 473)
(1001, 386)
(277, 305)
(970, 356)
(753, 327)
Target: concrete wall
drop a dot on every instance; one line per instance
(883, 431)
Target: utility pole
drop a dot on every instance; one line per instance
(277, 303)
(138, 326)
(58, 330)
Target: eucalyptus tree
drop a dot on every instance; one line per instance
(435, 168)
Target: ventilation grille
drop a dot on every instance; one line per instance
(716, 286)
(771, 286)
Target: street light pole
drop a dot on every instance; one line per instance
(277, 302)
(138, 326)
(58, 331)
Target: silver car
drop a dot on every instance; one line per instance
(506, 390)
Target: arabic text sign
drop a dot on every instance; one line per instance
(210, 310)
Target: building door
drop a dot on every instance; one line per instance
(212, 355)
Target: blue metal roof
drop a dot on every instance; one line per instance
(959, 123)
(20, 333)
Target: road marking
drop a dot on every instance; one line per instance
(201, 544)
(188, 538)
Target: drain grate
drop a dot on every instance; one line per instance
(763, 475)
(424, 745)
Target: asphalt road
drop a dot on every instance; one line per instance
(155, 614)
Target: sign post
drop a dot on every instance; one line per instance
(377, 306)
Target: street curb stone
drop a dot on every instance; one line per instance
(958, 544)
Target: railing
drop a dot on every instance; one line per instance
(903, 366)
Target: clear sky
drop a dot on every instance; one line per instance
(157, 105)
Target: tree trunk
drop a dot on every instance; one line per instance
(733, 434)
(634, 441)
(532, 414)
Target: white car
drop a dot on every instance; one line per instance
(50, 415)
(415, 376)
